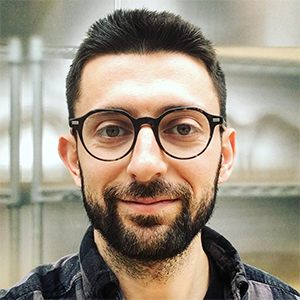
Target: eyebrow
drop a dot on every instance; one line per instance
(130, 110)
(134, 112)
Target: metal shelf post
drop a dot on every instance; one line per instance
(35, 59)
(118, 4)
(15, 62)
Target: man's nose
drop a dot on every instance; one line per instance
(147, 160)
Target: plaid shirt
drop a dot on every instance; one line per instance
(87, 276)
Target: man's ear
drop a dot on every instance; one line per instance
(67, 150)
(228, 154)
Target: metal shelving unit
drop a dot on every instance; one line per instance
(13, 197)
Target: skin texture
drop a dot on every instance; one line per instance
(146, 85)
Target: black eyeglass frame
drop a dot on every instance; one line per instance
(214, 120)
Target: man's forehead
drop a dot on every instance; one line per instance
(164, 74)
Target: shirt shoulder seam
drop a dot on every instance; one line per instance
(274, 286)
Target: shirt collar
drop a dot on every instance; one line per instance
(228, 262)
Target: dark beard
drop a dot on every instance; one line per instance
(162, 245)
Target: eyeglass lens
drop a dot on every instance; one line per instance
(109, 135)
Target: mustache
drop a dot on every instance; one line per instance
(155, 188)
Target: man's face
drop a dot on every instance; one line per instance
(148, 205)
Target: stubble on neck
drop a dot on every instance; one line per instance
(162, 277)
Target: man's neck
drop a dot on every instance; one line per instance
(185, 276)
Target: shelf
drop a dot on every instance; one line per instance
(260, 60)
(52, 195)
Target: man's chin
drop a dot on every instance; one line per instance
(148, 232)
(148, 237)
(151, 221)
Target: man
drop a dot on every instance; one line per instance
(148, 147)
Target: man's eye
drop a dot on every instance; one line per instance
(182, 129)
(111, 131)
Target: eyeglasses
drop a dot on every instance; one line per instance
(110, 134)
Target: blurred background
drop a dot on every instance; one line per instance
(258, 43)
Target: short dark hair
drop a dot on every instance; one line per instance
(142, 31)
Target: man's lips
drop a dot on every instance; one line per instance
(148, 205)
(148, 201)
